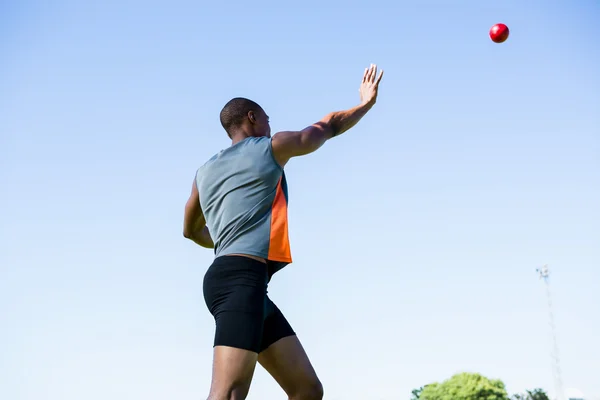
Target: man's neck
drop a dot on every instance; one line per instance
(235, 139)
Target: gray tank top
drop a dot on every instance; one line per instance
(244, 198)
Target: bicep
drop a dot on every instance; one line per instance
(290, 144)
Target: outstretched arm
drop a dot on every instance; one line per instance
(194, 224)
(298, 143)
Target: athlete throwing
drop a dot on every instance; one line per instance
(238, 206)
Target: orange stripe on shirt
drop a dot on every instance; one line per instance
(279, 242)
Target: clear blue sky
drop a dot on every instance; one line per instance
(416, 235)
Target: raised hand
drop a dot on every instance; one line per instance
(370, 85)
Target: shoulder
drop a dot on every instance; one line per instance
(209, 161)
(258, 146)
(257, 142)
(206, 165)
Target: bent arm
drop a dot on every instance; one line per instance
(298, 143)
(194, 223)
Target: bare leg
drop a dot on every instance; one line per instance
(289, 365)
(232, 373)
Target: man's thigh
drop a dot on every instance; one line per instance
(232, 373)
(283, 356)
(235, 293)
(288, 364)
(237, 343)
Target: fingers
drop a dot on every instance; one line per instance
(379, 77)
(371, 73)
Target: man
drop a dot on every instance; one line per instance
(238, 206)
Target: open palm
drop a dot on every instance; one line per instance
(370, 85)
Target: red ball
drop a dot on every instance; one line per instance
(499, 33)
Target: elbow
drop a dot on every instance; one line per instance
(334, 126)
(327, 124)
(186, 233)
(312, 139)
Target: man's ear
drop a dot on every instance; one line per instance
(252, 117)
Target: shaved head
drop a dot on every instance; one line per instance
(236, 112)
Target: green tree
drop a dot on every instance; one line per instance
(465, 386)
(416, 393)
(535, 394)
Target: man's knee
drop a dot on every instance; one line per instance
(314, 391)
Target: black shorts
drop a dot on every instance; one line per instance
(235, 291)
